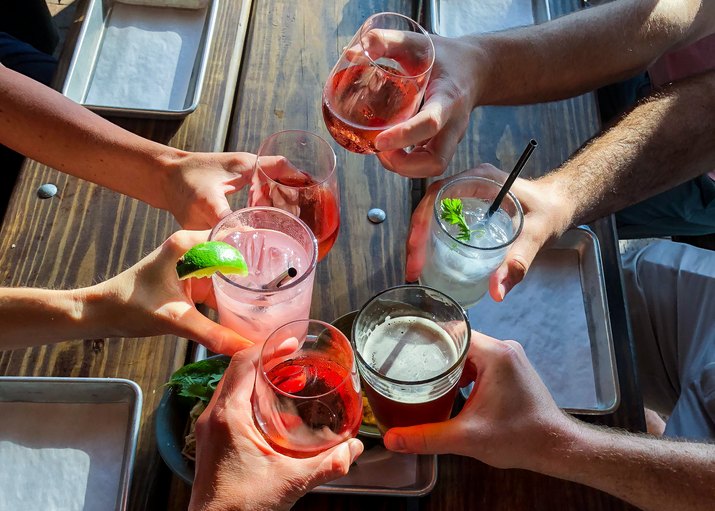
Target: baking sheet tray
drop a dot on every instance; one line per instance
(453, 18)
(67, 443)
(559, 313)
(381, 472)
(138, 61)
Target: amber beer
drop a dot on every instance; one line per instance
(411, 343)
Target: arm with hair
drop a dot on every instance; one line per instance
(511, 421)
(584, 50)
(662, 142)
(554, 60)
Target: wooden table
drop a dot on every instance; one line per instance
(88, 233)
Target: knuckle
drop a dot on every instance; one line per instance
(515, 345)
(434, 121)
(175, 241)
(340, 466)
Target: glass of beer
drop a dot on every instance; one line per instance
(410, 343)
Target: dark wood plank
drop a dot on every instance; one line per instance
(284, 69)
(86, 234)
(291, 49)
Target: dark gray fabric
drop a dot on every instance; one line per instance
(671, 297)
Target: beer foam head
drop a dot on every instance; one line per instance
(409, 348)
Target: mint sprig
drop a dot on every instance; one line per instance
(452, 211)
(199, 379)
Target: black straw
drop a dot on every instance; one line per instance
(512, 177)
(281, 279)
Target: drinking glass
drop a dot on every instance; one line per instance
(272, 241)
(378, 81)
(410, 343)
(306, 398)
(303, 183)
(462, 268)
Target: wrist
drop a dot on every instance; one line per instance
(477, 62)
(97, 312)
(560, 207)
(167, 163)
(564, 442)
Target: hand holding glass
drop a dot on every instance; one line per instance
(303, 183)
(378, 82)
(307, 393)
(462, 268)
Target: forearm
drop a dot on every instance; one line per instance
(46, 126)
(651, 473)
(663, 142)
(32, 317)
(584, 50)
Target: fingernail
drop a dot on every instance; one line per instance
(501, 291)
(381, 144)
(394, 442)
(356, 449)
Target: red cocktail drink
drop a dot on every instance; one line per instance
(298, 175)
(307, 394)
(378, 81)
(355, 119)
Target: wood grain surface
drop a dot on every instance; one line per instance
(86, 234)
(291, 48)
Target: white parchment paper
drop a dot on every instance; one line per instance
(146, 57)
(546, 314)
(460, 17)
(61, 456)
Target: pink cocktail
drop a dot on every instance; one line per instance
(272, 241)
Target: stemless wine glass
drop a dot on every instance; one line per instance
(304, 182)
(306, 398)
(379, 80)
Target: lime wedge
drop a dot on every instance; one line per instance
(205, 259)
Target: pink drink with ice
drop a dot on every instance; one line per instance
(244, 304)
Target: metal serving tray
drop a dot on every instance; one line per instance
(559, 312)
(67, 440)
(381, 472)
(453, 18)
(138, 61)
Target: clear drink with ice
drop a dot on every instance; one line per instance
(460, 268)
(271, 241)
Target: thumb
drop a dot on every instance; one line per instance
(435, 438)
(215, 337)
(215, 208)
(516, 263)
(334, 462)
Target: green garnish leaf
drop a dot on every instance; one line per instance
(453, 212)
(199, 380)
